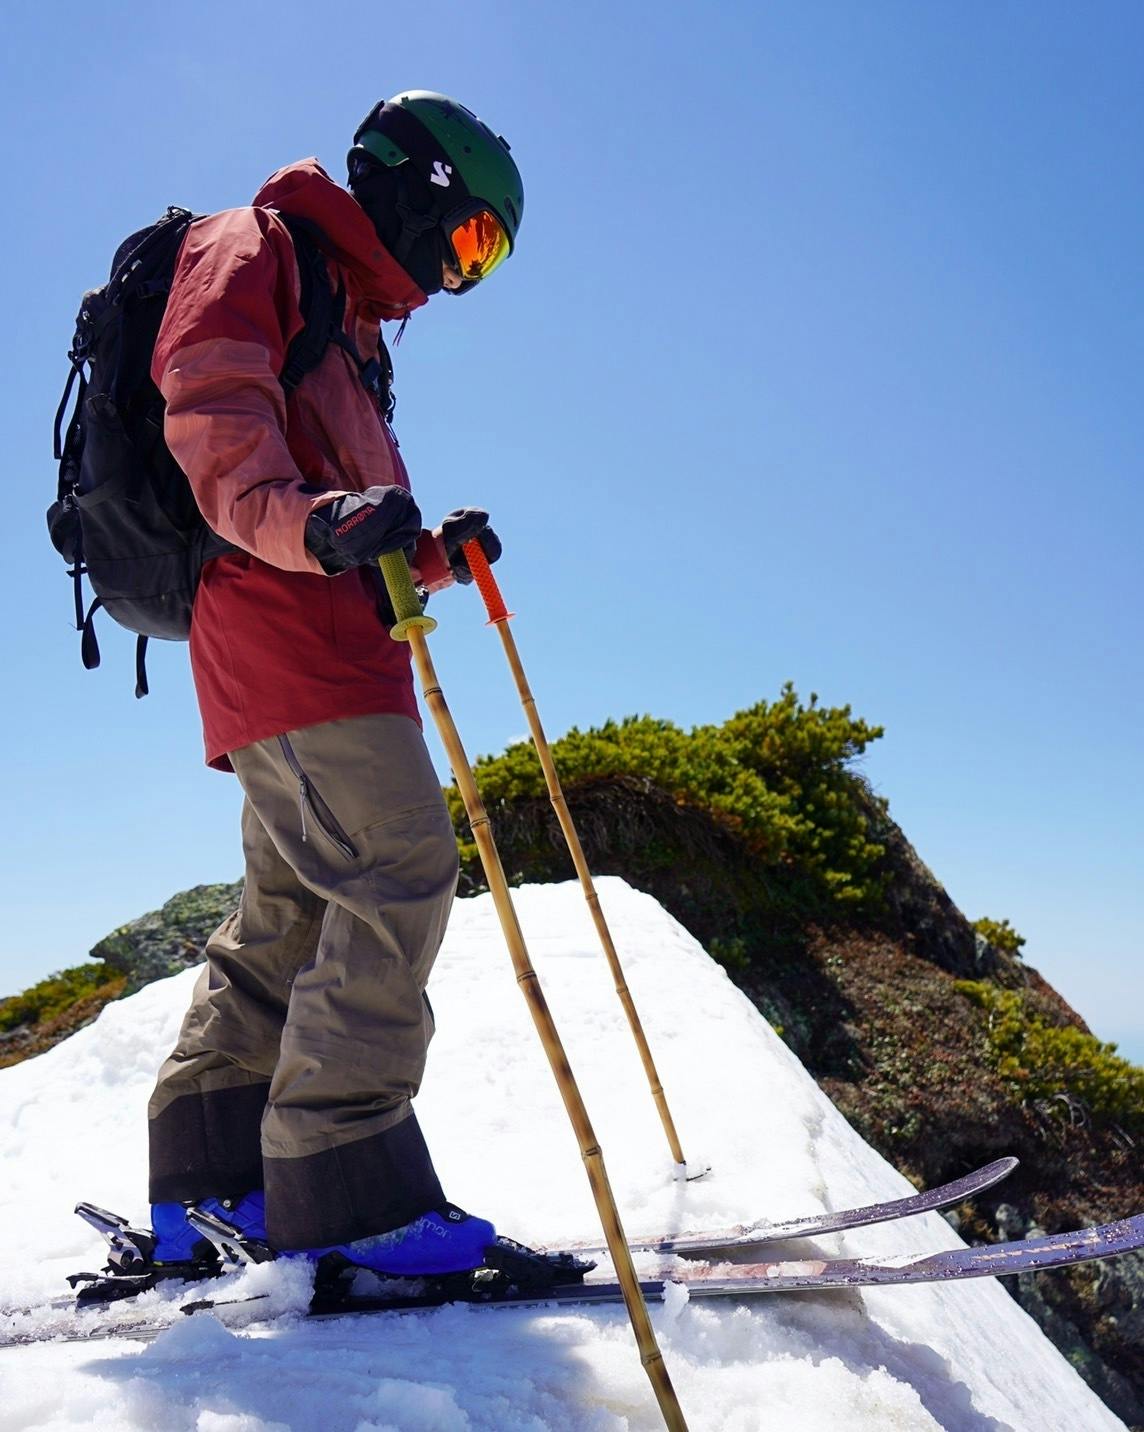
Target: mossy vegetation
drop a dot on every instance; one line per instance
(57, 1006)
(56, 994)
(778, 775)
(1000, 934)
(1061, 1070)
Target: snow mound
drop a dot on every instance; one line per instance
(963, 1358)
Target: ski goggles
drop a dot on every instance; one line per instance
(479, 243)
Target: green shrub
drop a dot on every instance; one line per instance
(1043, 1061)
(1000, 934)
(54, 995)
(777, 773)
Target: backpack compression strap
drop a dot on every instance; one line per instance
(89, 649)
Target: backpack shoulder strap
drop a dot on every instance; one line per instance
(324, 314)
(322, 311)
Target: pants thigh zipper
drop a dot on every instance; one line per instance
(329, 828)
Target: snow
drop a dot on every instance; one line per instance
(964, 1358)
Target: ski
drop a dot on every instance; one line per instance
(129, 1270)
(989, 1260)
(744, 1280)
(748, 1236)
(494, 1288)
(713, 1280)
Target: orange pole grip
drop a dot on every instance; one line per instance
(486, 582)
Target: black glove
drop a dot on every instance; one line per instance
(359, 528)
(461, 526)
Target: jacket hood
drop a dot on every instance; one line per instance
(305, 191)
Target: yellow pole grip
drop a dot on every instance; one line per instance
(403, 597)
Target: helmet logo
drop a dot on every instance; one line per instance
(440, 174)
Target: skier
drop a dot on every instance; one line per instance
(285, 1107)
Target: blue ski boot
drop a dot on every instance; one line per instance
(445, 1240)
(176, 1241)
(246, 1215)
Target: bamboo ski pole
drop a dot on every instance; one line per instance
(499, 616)
(412, 626)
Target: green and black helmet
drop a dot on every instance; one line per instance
(467, 187)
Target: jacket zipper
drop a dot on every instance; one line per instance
(307, 797)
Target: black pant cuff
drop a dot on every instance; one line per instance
(208, 1145)
(351, 1191)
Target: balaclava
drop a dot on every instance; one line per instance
(398, 200)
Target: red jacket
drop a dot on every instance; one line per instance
(275, 643)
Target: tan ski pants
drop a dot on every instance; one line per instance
(306, 1038)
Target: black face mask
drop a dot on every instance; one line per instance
(401, 208)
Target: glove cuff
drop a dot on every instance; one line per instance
(433, 570)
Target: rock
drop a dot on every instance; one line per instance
(166, 941)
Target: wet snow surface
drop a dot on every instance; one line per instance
(962, 1357)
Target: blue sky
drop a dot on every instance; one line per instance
(819, 360)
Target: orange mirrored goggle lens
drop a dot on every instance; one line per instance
(480, 244)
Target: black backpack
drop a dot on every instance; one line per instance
(125, 514)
